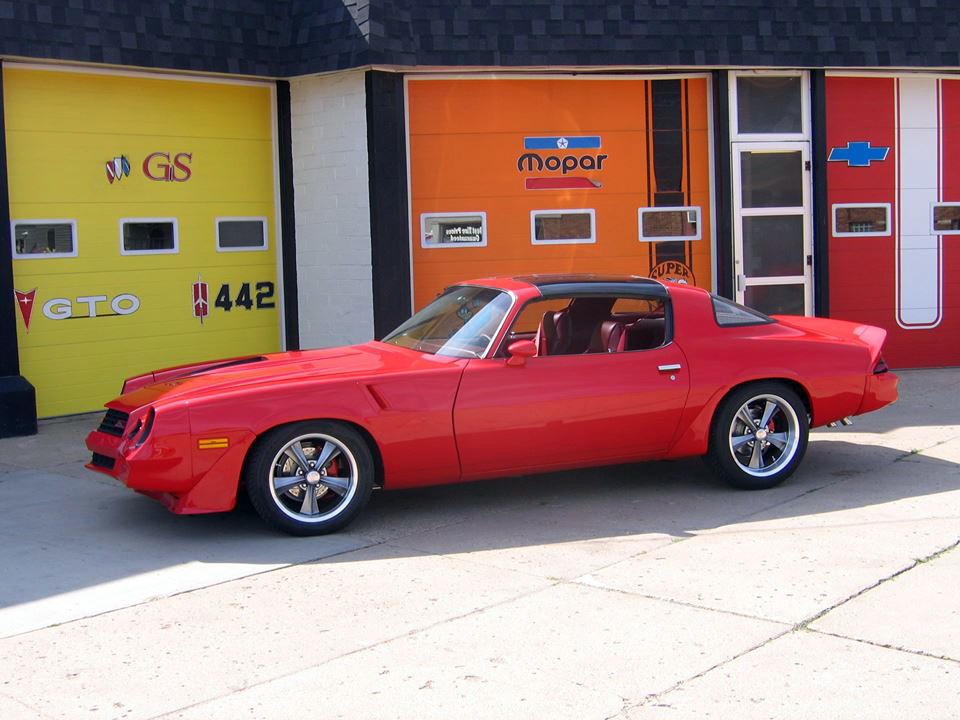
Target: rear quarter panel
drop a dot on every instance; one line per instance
(831, 373)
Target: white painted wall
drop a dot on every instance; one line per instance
(332, 207)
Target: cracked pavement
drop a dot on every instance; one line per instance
(639, 591)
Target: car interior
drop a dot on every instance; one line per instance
(571, 326)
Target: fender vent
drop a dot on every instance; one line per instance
(114, 422)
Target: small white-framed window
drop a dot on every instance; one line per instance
(854, 219)
(769, 105)
(241, 234)
(669, 223)
(453, 229)
(563, 227)
(149, 236)
(32, 239)
(945, 218)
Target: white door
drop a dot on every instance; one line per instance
(773, 257)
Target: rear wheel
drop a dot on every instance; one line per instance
(758, 436)
(310, 478)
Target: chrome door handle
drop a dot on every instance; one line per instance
(668, 368)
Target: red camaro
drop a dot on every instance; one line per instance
(496, 377)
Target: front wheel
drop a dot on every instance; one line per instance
(758, 436)
(310, 478)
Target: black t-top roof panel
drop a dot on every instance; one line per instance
(552, 285)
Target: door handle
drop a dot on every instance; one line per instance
(668, 368)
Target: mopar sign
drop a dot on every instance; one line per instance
(534, 162)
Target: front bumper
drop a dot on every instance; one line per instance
(185, 473)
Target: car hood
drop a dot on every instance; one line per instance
(199, 380)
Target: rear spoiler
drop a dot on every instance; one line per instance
(871, 336)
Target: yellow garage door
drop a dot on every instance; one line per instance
(142, 223)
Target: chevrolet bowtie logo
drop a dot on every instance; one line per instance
(858, 154)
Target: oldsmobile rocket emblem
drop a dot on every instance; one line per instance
(201, 306)
(118, 168)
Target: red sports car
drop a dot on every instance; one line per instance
(496, 377)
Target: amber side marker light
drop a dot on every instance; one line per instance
(213, 443)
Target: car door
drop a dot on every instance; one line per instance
(568, 410)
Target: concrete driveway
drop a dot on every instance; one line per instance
(642, 591)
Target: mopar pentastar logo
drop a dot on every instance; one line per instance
(564, 163)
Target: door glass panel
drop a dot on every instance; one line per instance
(772, 179)
(769, 104)
(775, 299)
(772, 245)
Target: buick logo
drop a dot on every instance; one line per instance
(118, 168)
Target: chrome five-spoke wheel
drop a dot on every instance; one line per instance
(313, 478)
(759, 435)
(764, 435)
(310, 478)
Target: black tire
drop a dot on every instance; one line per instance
(295, 491)
(734, 455)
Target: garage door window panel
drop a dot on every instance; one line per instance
(149, 236)
(453, 230)
(661, 224)
(562, 227)
(241, 234)
(946, 218)
(861, 219)
(43, 238)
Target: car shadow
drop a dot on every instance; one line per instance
(126, 535)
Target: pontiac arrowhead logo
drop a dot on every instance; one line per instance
(25, 303)
(118, 168)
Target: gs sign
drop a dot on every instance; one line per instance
(158, 166)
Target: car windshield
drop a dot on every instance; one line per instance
(460, 323)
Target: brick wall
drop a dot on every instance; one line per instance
(331, 197)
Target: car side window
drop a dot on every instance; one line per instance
(590, 324)
(730, 314)
(529, 317)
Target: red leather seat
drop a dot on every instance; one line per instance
(579, 323)
(612, 337)
(546, 337)
(645, 334)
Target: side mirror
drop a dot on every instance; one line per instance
(519, 352)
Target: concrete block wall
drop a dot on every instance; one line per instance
(332, 205)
